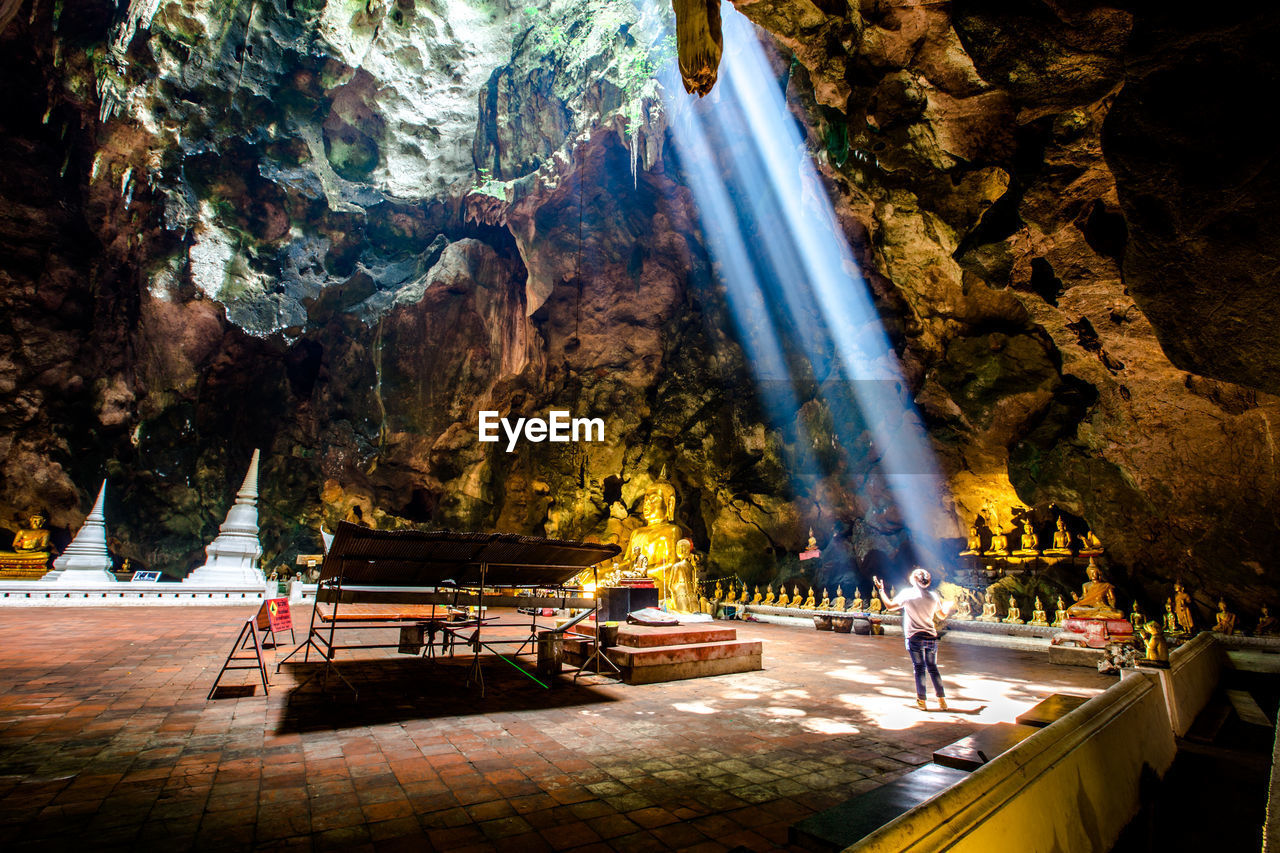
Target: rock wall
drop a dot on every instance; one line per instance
(338, 231)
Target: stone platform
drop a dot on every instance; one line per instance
(649, 655)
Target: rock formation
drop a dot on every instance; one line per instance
(339, 231)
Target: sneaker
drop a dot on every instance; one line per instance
(920, 704)
(942, 704)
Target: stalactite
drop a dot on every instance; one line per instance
(699, 43)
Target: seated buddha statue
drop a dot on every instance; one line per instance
(704, 606)
(1097, 599)
(1038, 616)
(656, 541)
(783, 599)
(1170, 620)
(837, 603)
(719, 593)
(1030, 543)
(964, 610)
(1224, 620)
(999, 539)
(732, 598)
(31, 550)
(810, 603)
(1136, 619)
(825, 604)
(857, 605)
(1061, 541)
(1266, 623)
(875, 605)
(1015, 614)
(973, 546)
(757, 598)
(989, 613)
(768, 598)
(796, 600)
(1060, 614)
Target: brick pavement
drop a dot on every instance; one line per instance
(106, 741)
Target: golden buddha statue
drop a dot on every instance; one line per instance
(1015, 614)
(653, 546)
(837, 603)
(973, 547)
(964, 610)
(875, 605)
(704, 606)
(796, 600)
(719, 593)
(999, 540)
(1266, 623)
(1182, 608)
(757, 598)
(1030, 544)
(31, 550)
(1136, 619)
(678, 581)
(1097, 599)
(1061, 541)
(825, 604)
(1091, 545)
(1038, 616)
(1060, 614)
(1225, 621)
(1157, 645)
(768, 599)
(810, 603)
(812, 544)
(989, 613)
(733, 594)
(857, 605)
(1170, 620)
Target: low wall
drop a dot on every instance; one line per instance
(36, 594)
(1069, 788)
(1193, 674)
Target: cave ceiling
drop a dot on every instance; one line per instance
(336, 231)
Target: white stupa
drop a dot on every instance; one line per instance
(232, 558)
(86, 561)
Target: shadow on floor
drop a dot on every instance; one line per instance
(392, 691)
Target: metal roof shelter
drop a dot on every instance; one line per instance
(417, 567)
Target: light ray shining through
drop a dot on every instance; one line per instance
(790, 277)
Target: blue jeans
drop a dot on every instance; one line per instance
(924, 657)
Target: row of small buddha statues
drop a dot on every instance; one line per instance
(796, 601)
(1020, 540)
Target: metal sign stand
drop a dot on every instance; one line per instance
(597, 653)
(249, 631)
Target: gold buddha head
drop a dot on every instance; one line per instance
(684, 548)
(659, 503)
(37, 520)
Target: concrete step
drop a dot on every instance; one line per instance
(845, 824)
(1050, 710)
(645, 636)
(984, 745)
(654, 664)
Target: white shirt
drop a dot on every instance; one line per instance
(919, 607)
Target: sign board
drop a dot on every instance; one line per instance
(274, 615)
(145, 577)
(810, 555)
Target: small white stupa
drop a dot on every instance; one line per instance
(86, 561)
(232, 558)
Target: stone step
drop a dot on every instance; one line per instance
(845, 824)
(1050, 710)
(656, 664)
(984, 745)
(646, 636)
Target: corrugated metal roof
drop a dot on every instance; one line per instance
(430, 558)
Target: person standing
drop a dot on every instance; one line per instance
(921, 607)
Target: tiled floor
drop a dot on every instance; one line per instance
(106, 740)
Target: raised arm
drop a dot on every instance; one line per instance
(889, 605)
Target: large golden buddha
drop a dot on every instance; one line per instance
(31, 551)
(671, 567)
(1097, 600)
